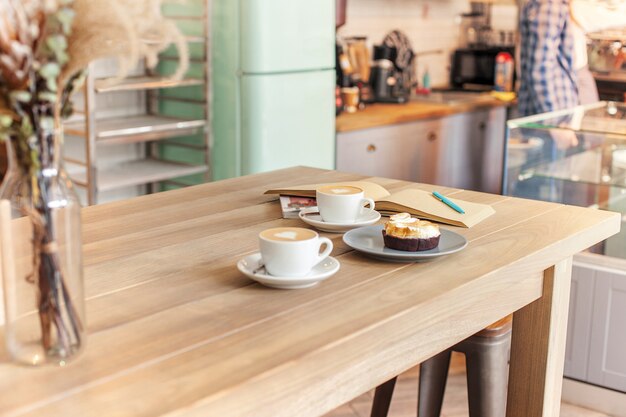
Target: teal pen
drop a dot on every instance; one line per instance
(448, 202)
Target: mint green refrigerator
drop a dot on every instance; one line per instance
(273, 85)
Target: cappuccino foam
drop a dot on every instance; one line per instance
(339, 190)
(288, 234)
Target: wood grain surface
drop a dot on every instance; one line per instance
(175, 329)
(380, 114)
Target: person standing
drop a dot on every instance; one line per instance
(587, 89)
(548, 83)
(547, 75)
(592, 16)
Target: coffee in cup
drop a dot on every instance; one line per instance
(292, 251)
(341, 203)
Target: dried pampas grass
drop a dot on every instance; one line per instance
(20, 29)
(127, 30)
(46, 46)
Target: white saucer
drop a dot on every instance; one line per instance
(320, 272)
(311, 216)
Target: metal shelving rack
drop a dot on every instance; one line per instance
(150, 128)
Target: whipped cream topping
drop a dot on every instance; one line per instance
(402, 219)
(420, 229)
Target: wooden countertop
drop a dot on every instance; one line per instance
(174, 329)
(375, 115)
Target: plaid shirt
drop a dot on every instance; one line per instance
(548, 78)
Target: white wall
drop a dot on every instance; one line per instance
(429, 24)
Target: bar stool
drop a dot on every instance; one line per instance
(487, 358)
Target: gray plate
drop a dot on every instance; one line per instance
(369, 240)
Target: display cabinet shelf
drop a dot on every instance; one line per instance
(585, 167)
(137, 128)
(188, 39)
(195, 39)
(139, 172)
(144, 83)
(187, 18)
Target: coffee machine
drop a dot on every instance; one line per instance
(385, 78)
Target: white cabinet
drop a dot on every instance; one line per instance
(479, 150)
(607, 360)
(596, 339)
(395, 151)
(579, 323)
(464, 150)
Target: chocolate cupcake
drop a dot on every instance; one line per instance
(405, 233)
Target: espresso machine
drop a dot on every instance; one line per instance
(386, 79)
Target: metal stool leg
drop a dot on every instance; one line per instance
(433, 377)
(487, 374)
(382, 398)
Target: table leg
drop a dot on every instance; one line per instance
(382, 398)
(538, 348)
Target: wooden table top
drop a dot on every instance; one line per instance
(176, 330)
(381, 114)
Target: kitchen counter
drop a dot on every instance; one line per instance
(380, 114)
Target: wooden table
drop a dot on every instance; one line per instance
(176, 330)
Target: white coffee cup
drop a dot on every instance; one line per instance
(341, 203)
(292, 251)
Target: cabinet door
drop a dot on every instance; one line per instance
(490, 126)
(475, 150)
(407, 151)
(384, 152)
(453, 167)
(579, 322)
(607, 353)
(433, 141)
(465, 150)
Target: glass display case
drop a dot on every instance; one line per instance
(578, 157)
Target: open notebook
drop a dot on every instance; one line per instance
(417, 202)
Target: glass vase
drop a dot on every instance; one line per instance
(41, 254)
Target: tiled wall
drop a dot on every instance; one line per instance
(429, 24)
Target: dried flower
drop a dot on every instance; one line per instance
(127, 30)
(60, 38)
(45, 48)
(20, 26)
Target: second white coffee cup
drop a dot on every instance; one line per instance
(292, 251)
(341, 203)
